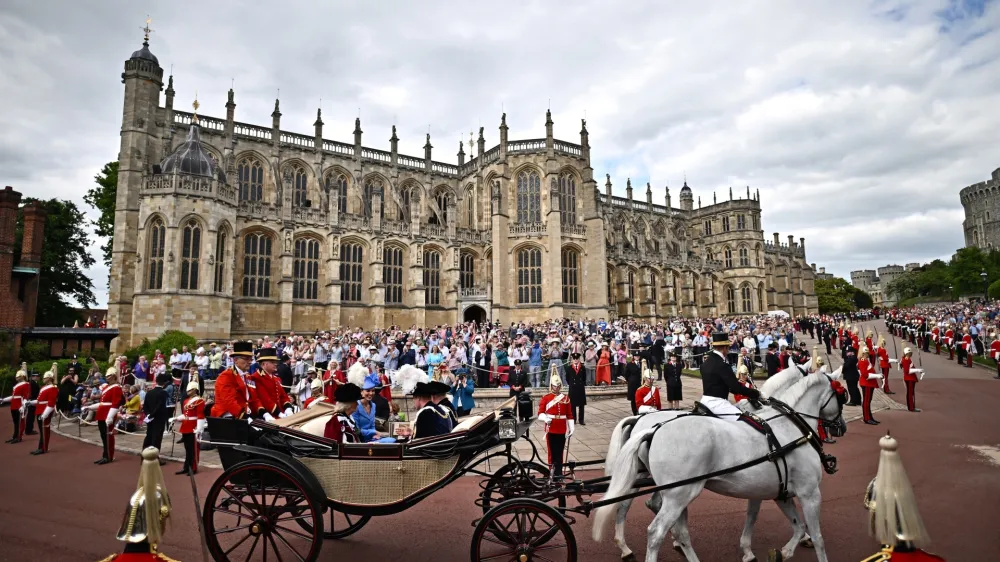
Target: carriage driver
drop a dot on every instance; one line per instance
(718, 380)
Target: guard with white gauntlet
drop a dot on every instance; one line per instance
(45, 406)
(555, 412)
(18, 401)
(193, 424)
(107, 413)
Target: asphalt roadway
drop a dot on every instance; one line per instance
(62, 507)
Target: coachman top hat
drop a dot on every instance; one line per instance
(242, 349)
(720, 338)
(267, 354)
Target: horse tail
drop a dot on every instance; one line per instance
(623, 473)
(618, 437)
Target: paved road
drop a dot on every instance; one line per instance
(62, 507)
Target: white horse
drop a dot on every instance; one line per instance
(774, 386)
(698, 445)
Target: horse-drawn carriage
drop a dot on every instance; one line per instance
(285, 488)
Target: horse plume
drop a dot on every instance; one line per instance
(409, 376)
(357, 373)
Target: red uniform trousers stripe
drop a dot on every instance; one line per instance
(43, 434)
(885, 379)
(911, 395)
(867, 393)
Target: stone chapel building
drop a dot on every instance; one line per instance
(225, 229)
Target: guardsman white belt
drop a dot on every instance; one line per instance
(559, 417)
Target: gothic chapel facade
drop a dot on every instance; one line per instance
(225, 229)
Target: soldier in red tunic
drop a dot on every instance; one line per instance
(869, 342)
(316, 387)
(893, 516)
(235, 393)
(45, 406)
(146, 515)
(949, 341)
(995, 351)
(910, 377)
(555, 412)
(647, 398)
(107, 414)
(270, 393)
(968, 349)
(884, 364)
(936, 338)
(868, 382)
(19, 398)
(193, 423)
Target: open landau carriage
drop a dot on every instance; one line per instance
(285, 488)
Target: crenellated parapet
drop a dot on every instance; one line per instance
(981, 202)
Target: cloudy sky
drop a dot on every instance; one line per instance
(858, 121)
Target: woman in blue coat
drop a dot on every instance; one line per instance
(364, 416)
(461, 393)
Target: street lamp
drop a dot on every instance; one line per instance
(986, 296)
(951, 294)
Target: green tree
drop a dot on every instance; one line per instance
(103, 197)
(65, 256)
(834, 295)
(862, 299)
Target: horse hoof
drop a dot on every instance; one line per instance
(630, 557)
(775, 556)
(806, 542)
(678, 548)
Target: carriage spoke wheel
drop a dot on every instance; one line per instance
(523, 530)
(340, 524)
(258, 511)
(517, 480)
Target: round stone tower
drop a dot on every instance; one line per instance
(981, 202)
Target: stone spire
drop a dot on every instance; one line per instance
(481, 142)
(427, 148)
(170, 92)
(730, 193)
(668, 197)
(461, 153)
(628, 188)
(607, 187)
(357, 131)
(649, 193)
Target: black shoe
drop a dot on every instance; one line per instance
(102, 461)
(828, 440)
(12, 441)
(98, 461)
(181, 472)
(581, 423)
(871, 422)
(889, 392)
(915, 410)
(38, 452)
(852, 404)
(31, 433)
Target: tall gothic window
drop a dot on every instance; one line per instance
(257, 265)
(190, 255)
(392, 274)
(467, 270)
(299, 187)
(529, 276)
(305, 269)
(757, 256)
(432, 277)
(760, 299)
(404, 204)
(741, 222)
(725, 224)
(341, 183)
(744, 257)
(371, 186)
(470, 209)
(351, 264)
(746, 296)
(730, 299)
(653, 282)
(567, 198)
(632, 292)
(529, 197)
(728, 257)
(250, 179)
(442, 203)
(612, 296)
(570, 276)
(709, 255)
(220, 260)
(157, 237)
(708, 227)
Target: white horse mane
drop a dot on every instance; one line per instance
(781, 379)
(795, 393)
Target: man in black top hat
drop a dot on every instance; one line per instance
(718, 380)
(431, 419)
(771, 362)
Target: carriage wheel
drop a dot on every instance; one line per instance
(523, 530)
(249, 513)
(516, 480)
(341, 524)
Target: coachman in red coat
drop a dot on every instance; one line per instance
(271, 395)
(235, 393)
(893, 516)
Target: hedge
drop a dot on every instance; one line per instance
(168, 340)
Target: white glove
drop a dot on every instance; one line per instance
(200, 427)
(572, 427)
(920, 376)
(147, 419)
(268, 417)
(544, 418)
(646, 409)
(894, 360)
(111, 416)
(5, 400)
(289, 411)
(169, 422)
(877, 378)
(48, 412)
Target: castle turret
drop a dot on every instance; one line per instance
(687, 197)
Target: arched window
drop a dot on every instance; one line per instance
(157, 236)
(470, 209)
(250, 179)
(305, 269)
(299, 187)
(529, 197)
(567, 198)
(371, 186)
(757, 256)
(467, 270)
(728, 252)
(190, 255)
(741, 222)
(529, 276)
(725, 224)
(633, 290)
(653, 282)
(744, 257)
(351, 264)
(404, 205)
(612, 297)
(257, 265)
(570, 276)
(392, 274)
(341, 185)
(432, 277)
(760, 299)
(442, 204)
(746, 296)
(220, 259)
(730, 299)
(709, 255)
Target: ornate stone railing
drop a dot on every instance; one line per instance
(405, 161)
(469, 167)
(313, 215)
(477, 292)
(396, 227)
(257, 210)
(531, 145)
(575, 229)
(298, 140)
(252, 132)
(442, 168)
(491, 155)
(206, 123)
(376, 155)
(528, 229)
(354, 222)
(568, 148)
(470, 236)
(338, 147)
(433, 231)
(177, 184)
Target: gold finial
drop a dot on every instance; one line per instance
(146, 30)
(195, 105)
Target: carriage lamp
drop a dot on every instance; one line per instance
(507, 426)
